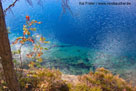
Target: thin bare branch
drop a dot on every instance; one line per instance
(30, 2)
(64, 7)
(11, 5)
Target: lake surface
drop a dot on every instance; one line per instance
(92, 35)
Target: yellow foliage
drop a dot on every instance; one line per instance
(44, 79)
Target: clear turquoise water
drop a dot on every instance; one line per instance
(100, 36)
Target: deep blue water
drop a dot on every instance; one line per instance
(108, 29)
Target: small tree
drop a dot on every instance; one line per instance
(35, 41)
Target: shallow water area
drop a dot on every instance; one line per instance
(80, 60)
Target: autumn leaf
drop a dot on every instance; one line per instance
(15, 42)
(39, 22)
(40, 60)
(31, 64)
(30, 39)
(39, 54)
(22, 42)
(42, 39)
(33, 29)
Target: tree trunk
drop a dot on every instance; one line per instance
(6, 55)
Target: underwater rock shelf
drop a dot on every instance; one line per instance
(79, 60)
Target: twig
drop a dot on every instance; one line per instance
(64, 7)
(11, 5)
